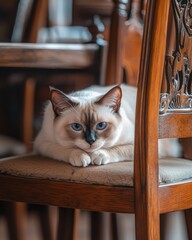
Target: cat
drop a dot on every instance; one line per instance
(93, 126)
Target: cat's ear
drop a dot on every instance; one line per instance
(112, 99)
(60, 101)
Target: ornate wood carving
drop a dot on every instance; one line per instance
(178, 66)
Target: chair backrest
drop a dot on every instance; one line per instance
(133, 42)
(176, 102)
(126, 30)
(116, 39)
(169, 112)
(31, 16)
(161, 115)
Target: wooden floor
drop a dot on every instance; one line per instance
(175, 226)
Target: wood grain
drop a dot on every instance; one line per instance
(67, 194)
(63, 56)
(175, 197)
(146, 135)
(57, 193)
(114, 68)
(182, 123)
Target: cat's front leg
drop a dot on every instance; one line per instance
(75, 157)
(114, 154)
(79, 158)
(100, 157)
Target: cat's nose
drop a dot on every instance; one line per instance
(91, 141)
(90, 136)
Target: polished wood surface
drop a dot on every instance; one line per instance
(167, 120)
(47, 55)
(73, 195)
(187, 146)
(114, 70)
(173, 193)
(67, 194)
(133, 43)
(146, 159)
(146, 138)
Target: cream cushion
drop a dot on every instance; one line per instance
(118, 174)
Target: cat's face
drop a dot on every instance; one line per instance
(87, 124)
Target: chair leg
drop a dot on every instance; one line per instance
(114, 227)
(15, 216)
(76, 224)
(104, 225)
(188, 218)
(163, 223)
(67, 224)
(96, 226)
(147, 230)
(46, 230)
(28, 112)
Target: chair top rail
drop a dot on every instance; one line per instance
(62, 56)
(178, 125)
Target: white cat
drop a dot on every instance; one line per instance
(93, 126)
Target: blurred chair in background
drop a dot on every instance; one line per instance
(82, 63)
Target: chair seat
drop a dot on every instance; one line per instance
(116, 174)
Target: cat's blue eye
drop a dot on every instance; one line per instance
(76, 126)
(101, 125)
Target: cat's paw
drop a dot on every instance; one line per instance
(79, 158)
(100, 157)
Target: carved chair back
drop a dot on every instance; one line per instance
(172, 69)
(175, 94)
(176, 99)
(166, 113)
(133, 42)
(126, 31)
(31, 16)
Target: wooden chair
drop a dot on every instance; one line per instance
(147, 187)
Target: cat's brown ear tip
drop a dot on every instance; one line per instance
(117, 87)
(118, 90)
(54, 93)
(51, 88)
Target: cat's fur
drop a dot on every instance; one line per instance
(90, 145)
